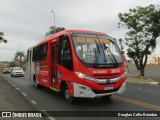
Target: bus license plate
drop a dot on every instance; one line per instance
(108, 88)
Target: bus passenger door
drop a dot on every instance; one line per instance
(53, 64)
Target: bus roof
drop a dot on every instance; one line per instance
(30, 48)
(69, 31)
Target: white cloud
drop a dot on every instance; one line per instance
(25, 22)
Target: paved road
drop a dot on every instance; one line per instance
(150, 72)
(11, 100)
(138, 97)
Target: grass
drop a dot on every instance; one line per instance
(132, 67)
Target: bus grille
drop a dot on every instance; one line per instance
(105, 91)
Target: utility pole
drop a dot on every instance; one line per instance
(54, 21)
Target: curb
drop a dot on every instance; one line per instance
(154, 83)
(151, 83)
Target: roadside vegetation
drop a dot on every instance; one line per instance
(2, 39)
(53, 30)
(143, 28)
(18, 60)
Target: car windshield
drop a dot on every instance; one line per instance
(96, 49)
(17, 68)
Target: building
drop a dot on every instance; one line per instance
(153, 60)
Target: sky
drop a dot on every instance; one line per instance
(25, 22)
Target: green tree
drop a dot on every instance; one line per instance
(2, 38)
(21, 56)
(143, 24)
(53, 29)
(12, 64)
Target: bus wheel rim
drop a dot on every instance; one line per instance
(67, 94)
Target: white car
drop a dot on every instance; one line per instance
(6, 70)
(17, 71)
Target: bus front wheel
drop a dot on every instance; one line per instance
(70, 99)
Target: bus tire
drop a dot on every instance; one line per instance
(37, 84)
(69, 99)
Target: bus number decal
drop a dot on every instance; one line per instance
(115, 71)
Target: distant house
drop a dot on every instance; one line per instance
(154, 58)
(158, 60)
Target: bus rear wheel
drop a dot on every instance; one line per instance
(37, 84)
(69, 99)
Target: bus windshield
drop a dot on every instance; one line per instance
(98, 50)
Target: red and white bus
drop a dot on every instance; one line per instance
(78, 63)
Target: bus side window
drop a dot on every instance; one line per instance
(35, 56)
(64, 53)
(43, 52)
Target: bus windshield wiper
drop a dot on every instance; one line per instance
(97, 54)
(112, 56)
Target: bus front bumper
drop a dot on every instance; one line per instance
(85, 92)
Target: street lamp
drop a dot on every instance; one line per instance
(54, 21)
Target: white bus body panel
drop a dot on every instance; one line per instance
(30, 69)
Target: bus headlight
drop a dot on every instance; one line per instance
(81, 75)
